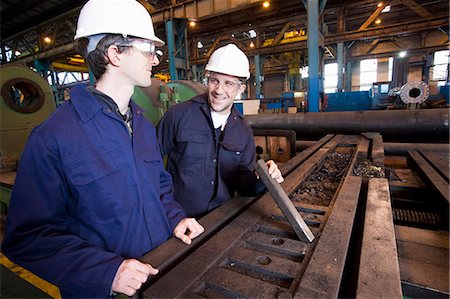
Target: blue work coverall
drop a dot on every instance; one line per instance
(87, 196)
(208, 166)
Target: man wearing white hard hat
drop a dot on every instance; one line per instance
(210, 147)
(91, 194)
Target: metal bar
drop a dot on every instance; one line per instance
(429, 174)
(374, 15)
(284, 203)
(440, 161)
(379, 271)
(323, 276)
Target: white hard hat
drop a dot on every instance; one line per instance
(229, 60)
(126, 17)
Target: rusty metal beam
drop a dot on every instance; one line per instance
(284, 203)
(431, 177)
(416, 8)
(323, 275)
(379, 271)
(372, 46)
(373, 16)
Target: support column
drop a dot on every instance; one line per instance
(426, 69)
(257, 61)
(171, 50)
(313, 55)
(340, 62)
(348, 77)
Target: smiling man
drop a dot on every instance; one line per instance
(91, 194)
(210, 147)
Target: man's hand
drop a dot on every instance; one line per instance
(131, 275)
(274, 171)
(187, 229)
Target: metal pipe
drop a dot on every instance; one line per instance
(424, 125)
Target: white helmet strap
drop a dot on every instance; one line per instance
(93, 42)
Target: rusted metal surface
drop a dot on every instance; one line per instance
(322, 278)
(284, 203)
(424, 261)
(255, 255)
(250, 250)
(429, 174)
(379, 271)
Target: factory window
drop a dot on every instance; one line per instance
(368, 73)
(440, 66)
(330, 77)
(390, 67)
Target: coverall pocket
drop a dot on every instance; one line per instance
(99, 188)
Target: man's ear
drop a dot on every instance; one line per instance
(113, 55)
(242, 87)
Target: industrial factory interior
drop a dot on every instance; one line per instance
(350, 99)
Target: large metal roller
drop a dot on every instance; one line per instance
(424, 125)
(26, 101)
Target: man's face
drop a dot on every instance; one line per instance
(222, 90)
(140, 61)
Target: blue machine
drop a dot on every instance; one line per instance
(444, 91)
(347, 101)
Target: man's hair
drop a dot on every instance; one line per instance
(96, 59)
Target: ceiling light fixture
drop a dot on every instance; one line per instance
(47, 40)
(377, 21)
(266, 4)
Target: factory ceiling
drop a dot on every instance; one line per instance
(24, 24)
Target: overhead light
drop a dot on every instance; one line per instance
(402, 54)
(192, 23)
(252, 45)
(386, 9)
(232, 34)
(199, 45)
(47, 40)
(252, 33)
(377, 21)
(380, 4)
(266, 4)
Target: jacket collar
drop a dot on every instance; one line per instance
(203, 101)
(87, 104)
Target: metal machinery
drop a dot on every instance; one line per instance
(349, 199)
(26, 101)
(159, 96)
(410, 95)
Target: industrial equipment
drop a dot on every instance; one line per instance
(414, 93)
(159, 96)
(27, 100)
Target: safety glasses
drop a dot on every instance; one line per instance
(147, 48)
(228, 85)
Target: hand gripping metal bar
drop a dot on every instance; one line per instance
(284, 203)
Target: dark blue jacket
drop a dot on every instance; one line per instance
(206, 174)
(86, 197)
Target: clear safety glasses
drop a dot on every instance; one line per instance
(228, 85)
(147, 48)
